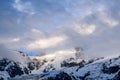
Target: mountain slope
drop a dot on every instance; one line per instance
(98, 69)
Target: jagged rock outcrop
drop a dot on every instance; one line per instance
(12, 68)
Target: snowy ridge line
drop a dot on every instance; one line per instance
(101, 69)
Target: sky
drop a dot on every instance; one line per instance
(46, 26)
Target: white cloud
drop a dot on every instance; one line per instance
(47, 42)
(5, 52)
(25, 7)
(90, 17)
(35, 30)
(108, 20)
(85, 29)
(111, 22)
(15, 39)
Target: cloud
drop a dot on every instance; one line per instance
(24, 7)
(3, 50)
(85, 29)
(8, 53)
(46, 43)
(42, 25)
(15, 39)
(109, 21)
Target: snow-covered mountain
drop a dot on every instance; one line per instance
(60, 66)
(100, 69)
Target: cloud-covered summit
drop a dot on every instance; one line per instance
(50, 25)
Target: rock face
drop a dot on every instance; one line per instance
(12, 68)
(3, 63)
(110, 70)
(58, 76)
(117, 76)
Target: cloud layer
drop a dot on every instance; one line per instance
(44, 25)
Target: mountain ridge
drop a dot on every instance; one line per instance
(60, 67)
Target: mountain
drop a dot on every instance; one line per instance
(59, 66)
(9, 68)
(100, 69)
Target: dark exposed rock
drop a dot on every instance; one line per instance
(71, 63)
(1, 78)
(110, 70)
(60, 76)
(3, 63)
(48, 68)
(31, 65)
(35, 64)
(26, 71)
(14, 69)
(92, 60)
(81, 64)
(117, 77)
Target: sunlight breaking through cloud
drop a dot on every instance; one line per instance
(45, 43)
